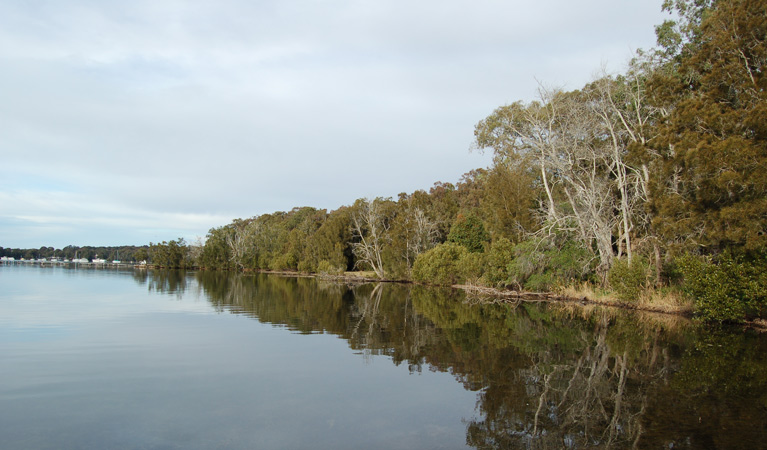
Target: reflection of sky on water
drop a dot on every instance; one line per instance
(106, 362)
(31, 334)
(98, 359)
(33, 309)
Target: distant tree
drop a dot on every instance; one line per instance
(170, 254)
(216, 252)
(240, 241)
(141, 254)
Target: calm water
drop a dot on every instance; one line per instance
(94, 359)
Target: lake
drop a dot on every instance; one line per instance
(107, 358)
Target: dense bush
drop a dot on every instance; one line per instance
(445, 264)
(630, 280)
(286, 261)
(729, 288)
(497, 262)
(543, 266)
(325, 267)
(471, 266)
(469, 231)
(171, 254)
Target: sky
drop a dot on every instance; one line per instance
(124, 123)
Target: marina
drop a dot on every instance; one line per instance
(78, 262)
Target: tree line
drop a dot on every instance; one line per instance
(127, 253)
(650, 180)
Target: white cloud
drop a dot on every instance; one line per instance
(164, 116)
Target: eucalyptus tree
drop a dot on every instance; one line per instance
(561, 136)
(239, 239)
(580, 142)
(413, 232)
(370, 225)
(624, 120)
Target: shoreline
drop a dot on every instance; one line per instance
(506, 296)
(497, 295)
(494, 295)
(509, 296)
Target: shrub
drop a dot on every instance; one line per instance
(471, 266)
(440, 265)
(497, 261)
(306, 266)
(630, 280)
(285, 261)
(324, 267)
(548, 265)
(730, 288)
(540, 282)
(470, 232)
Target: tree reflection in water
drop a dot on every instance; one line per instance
(546, 376)
(573, 399)
(163, 281)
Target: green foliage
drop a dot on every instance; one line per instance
(675, 37)
(542, 266)
(142, 254)
(509, 199)
(443, 265)
(471, 266)
(442, 205)
(497, 262)
(325, 267)
(286, 261)
(215, 253)
(728, 288)
(331, 242)
(171, 254)
(630, 280)
(414, 230)
(306, 266)
(710, 187)
(469, 231)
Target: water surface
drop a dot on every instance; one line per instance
(123, 359)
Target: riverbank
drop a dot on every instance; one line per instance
(662, 303)
(671, 303)
(582, 295)
(659, 303)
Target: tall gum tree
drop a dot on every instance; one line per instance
(371, 222)
(624, 119)
(561, 135)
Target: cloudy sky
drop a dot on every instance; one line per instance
(125, 122)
